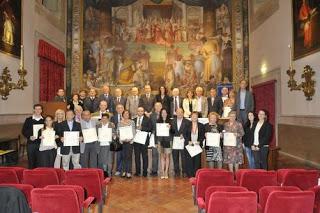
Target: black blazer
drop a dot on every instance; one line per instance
(180, 99)
(184, 129)
(201, 132)
(27, 129)
(123, 101)
(114, 119)
(217, 105)
(265, 134)
(91, 104)
(146, 126)
(146, 103)
(65, 150)
(248, 136)
(109, 101)
(165, 101)
(71, 105)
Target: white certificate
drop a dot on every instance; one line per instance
(151, 141)
(178, 143)
(71, 138)
(89, 135)
(105, 136)
(194, 150)
(229, 139)
(162, 129)
(141, 137)
(213, 139)
(203, 120)
(36, 128)
(49, 138)
(125, 133)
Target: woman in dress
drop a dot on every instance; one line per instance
(59, 117)
(163, 98)
(214, 154)
(248, 138)
(127, 145)
(233, 155)
(189, 104)
(164, 145)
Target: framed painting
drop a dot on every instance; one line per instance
(10, 27)
(306, 27)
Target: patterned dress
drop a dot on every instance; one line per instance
(213, 153)
(233, 155)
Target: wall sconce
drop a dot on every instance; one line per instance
(308, 86)
(6, 84)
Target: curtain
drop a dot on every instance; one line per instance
(52, 63)
(265, 97)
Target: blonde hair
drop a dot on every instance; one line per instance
(56, 114)
(215, 114)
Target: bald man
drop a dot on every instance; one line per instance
(176, 102)
(119, 98)
(107, 97)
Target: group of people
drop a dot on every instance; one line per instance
(188, 120)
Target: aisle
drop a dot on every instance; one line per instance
(150, 195)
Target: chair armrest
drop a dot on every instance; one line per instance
(201, 203)
(192, 180)
(88, 202)
(106, 181)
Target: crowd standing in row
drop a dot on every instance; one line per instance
(143, 113)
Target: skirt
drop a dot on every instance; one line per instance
(233, 155)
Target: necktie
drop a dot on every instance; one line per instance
(175, 103)
(139, 121)
(212, 100)
(118, 99)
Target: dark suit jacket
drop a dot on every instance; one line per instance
(27, 129)
(184, 129)
(114, 119)
(91, 104)
(201, 133)
(147, 103)
(265, 134)
(217, 105)
(123, 101)
(248, 134)
(165, 102)
(172, 105)
(65, 150)
(109, 100)
(146, 126)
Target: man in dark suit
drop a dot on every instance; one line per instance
(147, 100)
(108, 98)
(60, 97)
(27, 131)
(180, 128)
(176, 102)
(215, 103)
(143, 123)
(118, 98)
(68, 152)
(91, 102)
(244, 102)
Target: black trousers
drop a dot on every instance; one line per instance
(32, 153)
(192, 164)
(261, 158)
(141, 150)
(46, 158)
(176, 154)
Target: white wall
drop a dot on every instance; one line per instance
(269, 45)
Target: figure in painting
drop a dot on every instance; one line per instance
(305, 14)
(138, 77)
(8, 29)
(178, 70)
(198, 66)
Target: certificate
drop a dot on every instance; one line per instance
(178, 143)
(71, 138)
(203, 120)
(162, 129)
(105, 136)
(194, 150)
(49, 138)
(125, 133)
(89, 135)
(213, 139)
(229, 139)
(141, 137)
(151, 141)
(36, 128)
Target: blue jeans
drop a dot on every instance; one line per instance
(119, 160)
(250, 157)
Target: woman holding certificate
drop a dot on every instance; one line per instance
(126, 130)
(232, 150)
(164, 139)
(193, 149)
(213, 135)
(189, 104)
(47, 136)
(60, 116)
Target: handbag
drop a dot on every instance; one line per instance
(115, 145)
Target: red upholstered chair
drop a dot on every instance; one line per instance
(204, 203)
(25, 188)
(302, 179)
(55, 200)
(83, 203)
(40, 178)
(8, 176)
(254, 180)
(240, 172)
(283, 172)
(233, 202)
(316, 190)
(265, 191)
(293, 202)
(206, 179)
(18, 170)
(60, 172)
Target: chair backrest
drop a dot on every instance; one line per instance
(213, 189)
(293, 202)
(18, 170)
(230, 202)
(253, 181)
(25, 188)
(40, 178)
(55, 200)
(60, 172)
(210, 178)
(265, 191)
(316, 190)
(302, 179)
(240, 172)
(89, 180)
(99, 171)
(8, 176)
(283, 172)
